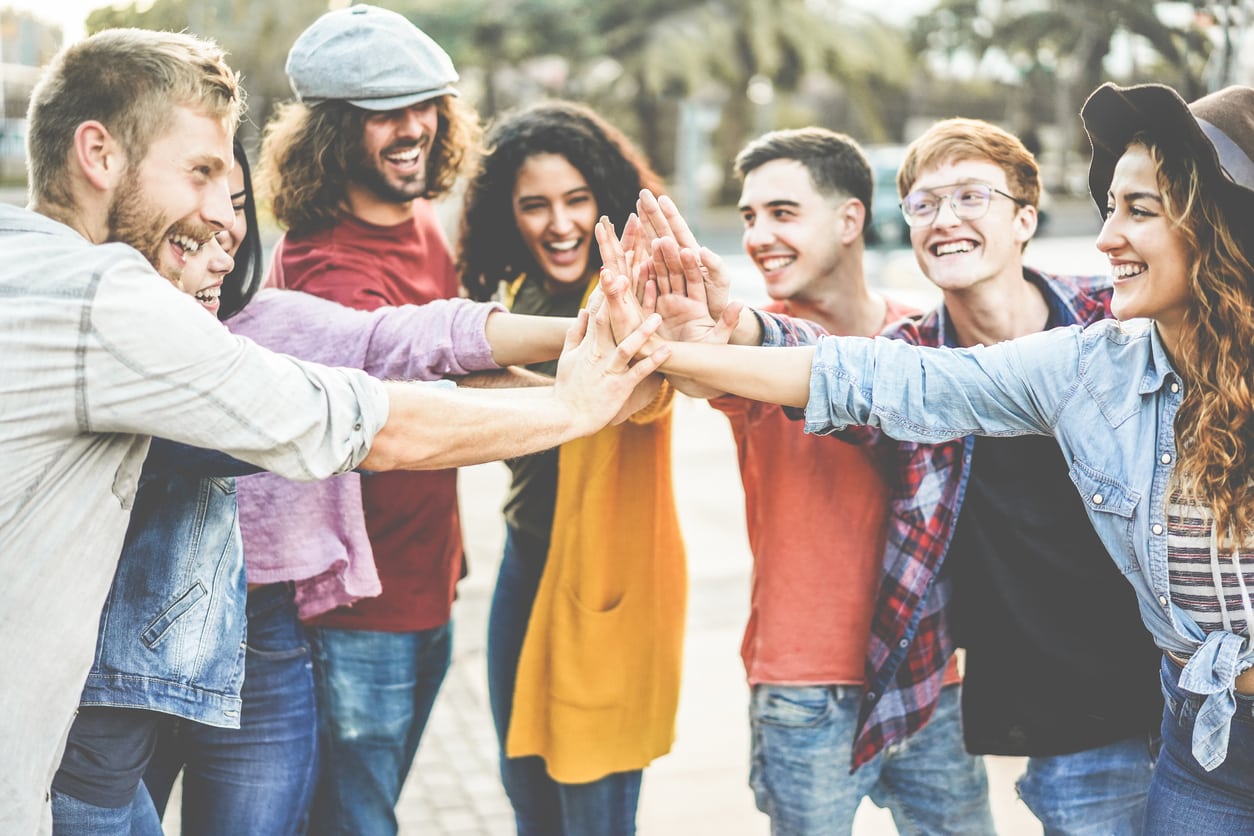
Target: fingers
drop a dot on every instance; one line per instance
(633, 344)
(667, 263)
(612, 256)
(678, 226)
(620, 306)
(653, 219)
(723, 329)
(694, 274)
(576, 332)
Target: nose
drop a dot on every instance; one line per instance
(758, 234)
(946, 205)
(220, 262)
(217, 210)
(1109, 239)
(412, 122)
(561, 221)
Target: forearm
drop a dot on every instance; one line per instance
(519, 339)
(510, 377)
(748, 329)
(773, 375)
(430, 428)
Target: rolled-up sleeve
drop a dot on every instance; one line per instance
(152, 362)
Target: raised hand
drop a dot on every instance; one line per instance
(660, 219)
(596, 378)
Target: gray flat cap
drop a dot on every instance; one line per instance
(369, 57)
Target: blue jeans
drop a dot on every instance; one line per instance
(375, 693)
(1184, 797)
(256, 779)
(542, 806)
(1097, 792)
(802, 743)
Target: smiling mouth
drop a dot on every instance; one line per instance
(1126, 271)
(405, 158)
(772, 263)
(953, 248)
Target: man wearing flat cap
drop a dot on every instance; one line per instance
(350, 169)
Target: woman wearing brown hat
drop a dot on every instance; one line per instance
(1154, 414)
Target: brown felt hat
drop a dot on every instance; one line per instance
(1218, 129)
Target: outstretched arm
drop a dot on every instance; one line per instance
(431, 429)
(773, 375)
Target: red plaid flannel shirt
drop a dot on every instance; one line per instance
(910, 641)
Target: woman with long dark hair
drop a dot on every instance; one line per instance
(586, 628)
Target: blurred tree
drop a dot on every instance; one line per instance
(256, 33)
(1067, 43)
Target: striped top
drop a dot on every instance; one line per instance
(1198, 570)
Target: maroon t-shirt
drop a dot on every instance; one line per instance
(411, 517)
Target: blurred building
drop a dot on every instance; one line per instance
(26, 44)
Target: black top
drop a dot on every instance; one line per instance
(1057, 658)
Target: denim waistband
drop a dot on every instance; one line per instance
(271, 596)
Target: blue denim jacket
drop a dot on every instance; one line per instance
(173, 627)
(1109, 395)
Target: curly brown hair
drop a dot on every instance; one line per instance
(308, 151)
(491, 250)
(1215, 423)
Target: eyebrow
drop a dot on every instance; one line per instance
(1139, 196)
(771, 204)
(567, 193)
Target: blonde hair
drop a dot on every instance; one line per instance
(1215, 423)
(956, 140)
(308, 152)
(129, 80)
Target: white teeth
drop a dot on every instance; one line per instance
(405, 156)
(189, 246)
(209, 294)
(954, 247)
(1123, 271)
(563, 246)
(776, 262)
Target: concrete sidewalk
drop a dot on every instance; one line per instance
(701, 786)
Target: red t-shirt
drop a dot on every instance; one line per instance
(816, 510)
(411, 516)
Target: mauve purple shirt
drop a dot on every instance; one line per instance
(314, 533)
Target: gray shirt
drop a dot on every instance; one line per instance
(97, 353)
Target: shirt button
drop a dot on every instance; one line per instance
(1156, 528)
(1098, 499)
(1166, 458)
(870, 695)
(1175, 387)
(903, 643)
(357, 427)
(1162, 599)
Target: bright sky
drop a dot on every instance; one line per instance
(71, 13)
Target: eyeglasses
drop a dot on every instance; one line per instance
(968, 201)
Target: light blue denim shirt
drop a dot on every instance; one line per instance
(1108, 394)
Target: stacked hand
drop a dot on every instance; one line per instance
(657, 266)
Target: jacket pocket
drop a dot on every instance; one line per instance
(1111, 507)
(589, 668)
(161, 625)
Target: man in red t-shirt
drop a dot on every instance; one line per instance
(350, 170)
(817, 511)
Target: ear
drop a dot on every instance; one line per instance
(1025, 224)
(98, 155)
(852, 219)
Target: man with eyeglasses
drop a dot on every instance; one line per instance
(989, 548)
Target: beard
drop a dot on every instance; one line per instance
(132, 221)
(369, 173)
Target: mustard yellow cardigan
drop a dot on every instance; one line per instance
(598, 678)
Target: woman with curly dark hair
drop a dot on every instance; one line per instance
(586, 628)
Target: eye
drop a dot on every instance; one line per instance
(1107, 211)
(921, 204)
(746, 218)
(782, 214)
(970, 196)
(579, 198)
